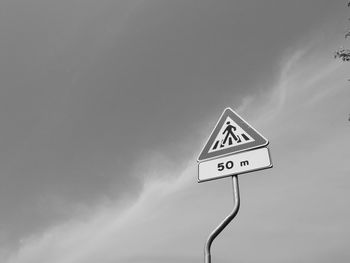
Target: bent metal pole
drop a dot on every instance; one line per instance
(225, 222)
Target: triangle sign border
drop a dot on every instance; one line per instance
(259, 140)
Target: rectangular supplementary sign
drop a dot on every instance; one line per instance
(234, 164)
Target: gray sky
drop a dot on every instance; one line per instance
(105, 105)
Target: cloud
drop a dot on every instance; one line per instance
(282, 216)
(106, 231)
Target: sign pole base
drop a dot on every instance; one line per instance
(225, 222)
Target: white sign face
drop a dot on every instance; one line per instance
(234, 164)
(230, 134)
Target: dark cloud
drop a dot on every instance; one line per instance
(87, 88)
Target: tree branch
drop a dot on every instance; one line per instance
(343, 54)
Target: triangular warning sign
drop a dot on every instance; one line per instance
(231, 134)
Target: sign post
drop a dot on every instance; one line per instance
(225, 222)
(234, 147)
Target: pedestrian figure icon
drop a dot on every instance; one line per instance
(230, 135)
(230, 132)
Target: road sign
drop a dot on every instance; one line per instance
(231, 135)
(243, 162)
(234, 147)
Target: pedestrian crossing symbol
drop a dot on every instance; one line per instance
(231, 134)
